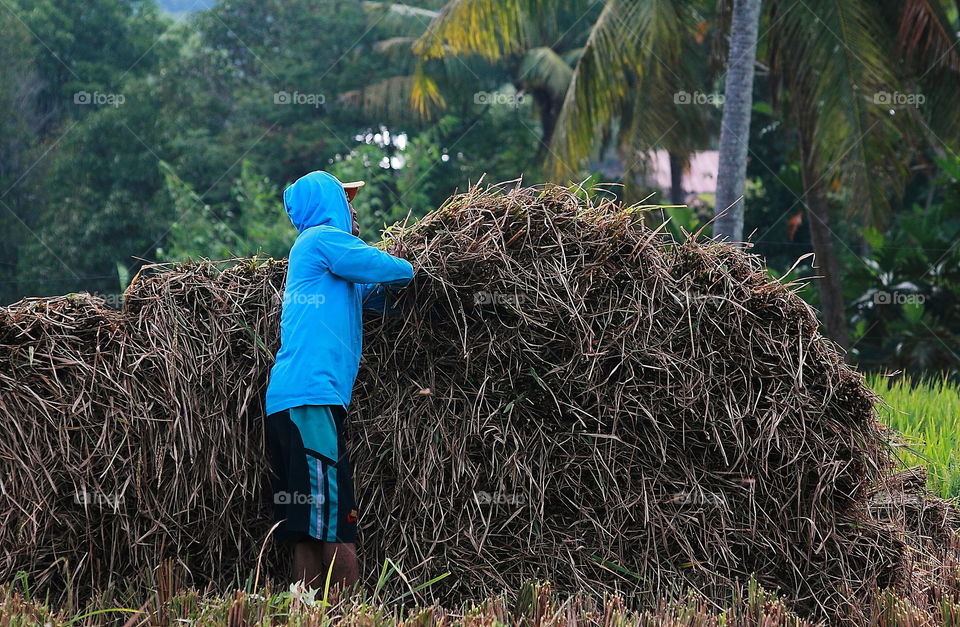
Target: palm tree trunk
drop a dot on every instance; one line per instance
(735, 125)
(677, 195)
(832, 306)
(549, 110)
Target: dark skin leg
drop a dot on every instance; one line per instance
(312, 559)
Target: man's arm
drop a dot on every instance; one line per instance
(352, 259)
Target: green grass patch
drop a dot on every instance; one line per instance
(927, 413)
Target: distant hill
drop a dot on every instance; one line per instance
(185, 6)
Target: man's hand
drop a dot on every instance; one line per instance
(398, 250)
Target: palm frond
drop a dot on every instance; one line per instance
(572, 57)
(490, 28)
(425, 96)
(635, 52)
(924, 34)
(543, 67)
(929, 43)
(831, 53)
(395, 46)
(389, 98)
(404, 18)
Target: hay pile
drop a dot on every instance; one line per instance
(563, 394)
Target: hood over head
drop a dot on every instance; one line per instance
(317, 198)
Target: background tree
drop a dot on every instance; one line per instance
(422, 100)
(639, 63)
(20, 123)
(735, 123)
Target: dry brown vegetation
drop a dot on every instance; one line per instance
(562, 393)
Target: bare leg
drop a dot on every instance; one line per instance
(346, 569)
(312, 559)
(308, 565)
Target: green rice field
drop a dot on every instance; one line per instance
(927, 413)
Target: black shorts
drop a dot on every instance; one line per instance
(312, 477)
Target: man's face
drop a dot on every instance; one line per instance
(356, 225)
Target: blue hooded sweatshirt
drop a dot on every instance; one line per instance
(331, 275)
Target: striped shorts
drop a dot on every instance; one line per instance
(312, 477)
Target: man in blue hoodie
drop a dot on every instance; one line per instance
(332, 274)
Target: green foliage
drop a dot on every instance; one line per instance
(927, 414)
(91, 47)
(406, 177)
(93, 202)
(909, 287)
(86, 188)
(268, 76)
(836, 61)
(252, 223)
(19, 124)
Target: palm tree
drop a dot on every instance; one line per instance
(430, 86)
(735, 124)
(840, 79)
(636, 57)
(540, 66)
(830, 61)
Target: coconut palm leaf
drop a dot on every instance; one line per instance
(387, 98)
(832, 53)
(425, 94)
(543, 67)
(925, 34)
(633, 47)
(490, 28)
(400, 18)
(929, 42)
(395, 46)
(634, 55)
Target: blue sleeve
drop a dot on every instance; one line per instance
(374, 296)
(352, 259)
